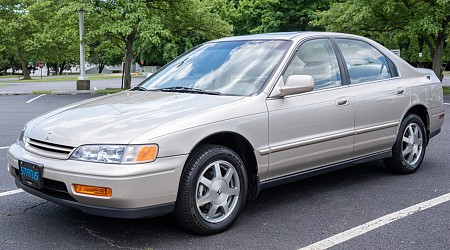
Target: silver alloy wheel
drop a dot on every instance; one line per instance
(217, 191)
(412, 144)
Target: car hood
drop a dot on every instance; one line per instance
(118, 119)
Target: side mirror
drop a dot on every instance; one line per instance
(296, 84)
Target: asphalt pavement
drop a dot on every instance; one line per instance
(291, 216)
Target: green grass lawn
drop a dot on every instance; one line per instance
(446, 90)
(99, 91)
(10, 76)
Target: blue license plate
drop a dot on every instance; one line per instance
(31, 174)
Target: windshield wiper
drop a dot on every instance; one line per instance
(189, 90)
(138, 88)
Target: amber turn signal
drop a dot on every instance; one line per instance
(147, 153)
(92, 190)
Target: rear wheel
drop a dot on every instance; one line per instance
(213, 190)
(409, 148)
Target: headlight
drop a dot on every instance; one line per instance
(22, 138)
(127, 154)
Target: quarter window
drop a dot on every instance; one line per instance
(364, 62)
(317, 59)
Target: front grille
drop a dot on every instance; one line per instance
(47, 149)
(53, 188)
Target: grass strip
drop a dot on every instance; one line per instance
(446, 90)
(108, 91)
(41, 92)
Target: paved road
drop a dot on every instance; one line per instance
(285, 217)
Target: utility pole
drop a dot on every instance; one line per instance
(82, 83)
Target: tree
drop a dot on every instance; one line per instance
(425, 22)
(259, 16)
(104, 53)
(185, 23)
(141, 25)
(18, 28)
(57, 41)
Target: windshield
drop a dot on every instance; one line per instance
(228, 68)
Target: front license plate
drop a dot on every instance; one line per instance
(31, 174)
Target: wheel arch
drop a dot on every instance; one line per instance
(243, 148)
(421, 111)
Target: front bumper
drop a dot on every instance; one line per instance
(140, 190)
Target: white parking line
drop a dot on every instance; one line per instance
(371, 225)
(446, 103)
(4, 147)
(35, 98)
(16, 191)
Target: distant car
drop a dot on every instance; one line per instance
(226, 120)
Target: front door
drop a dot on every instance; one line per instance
(312, 129)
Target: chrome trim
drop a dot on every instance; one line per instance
(324, 169)
(375, 128)
(375, 81)
(309, 93)
(50, 150)
(293, 145)
(305, 143)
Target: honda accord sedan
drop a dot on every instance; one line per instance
(227, 119)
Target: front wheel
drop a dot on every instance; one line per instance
(409, 148)
(213, 190)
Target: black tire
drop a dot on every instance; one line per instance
(409, 163)
(211, 218)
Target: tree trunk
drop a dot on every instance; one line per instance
(128, 60)
(24, 64)
(101, 66)
(439, 48)
(437, 62)
(63, 65)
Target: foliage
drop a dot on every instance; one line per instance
(156, 31)
(147, 30)
(57, 41)
(414, 26)
(259, 16)
(18, 28)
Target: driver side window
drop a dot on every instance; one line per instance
(317, 59)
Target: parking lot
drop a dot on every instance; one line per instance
(291, 216)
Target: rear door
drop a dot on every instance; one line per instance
(381, 98)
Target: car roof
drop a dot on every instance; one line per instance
(282, 36)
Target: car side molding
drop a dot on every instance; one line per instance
(324, 169)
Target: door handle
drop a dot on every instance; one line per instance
(401, 91)
(343, 101)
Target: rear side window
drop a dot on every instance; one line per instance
(364, 62)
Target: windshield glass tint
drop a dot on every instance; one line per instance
(231, 68)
